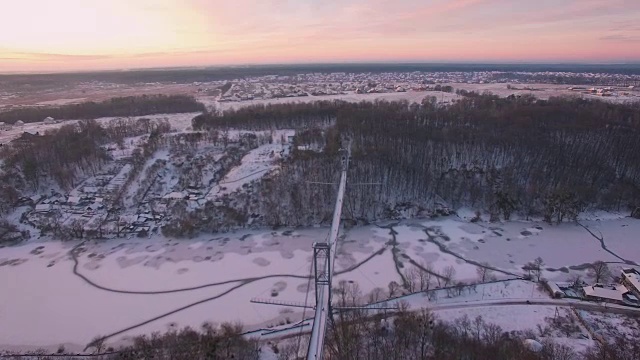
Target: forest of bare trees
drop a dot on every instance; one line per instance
(356, 334)
(120, 106)
(64, 156)
(550, 158)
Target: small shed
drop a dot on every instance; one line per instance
(49, 120)
(175, 195)
(533, 345)
(43, 208)
(555, 290)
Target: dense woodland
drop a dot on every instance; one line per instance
(551, 158)
(121, 106)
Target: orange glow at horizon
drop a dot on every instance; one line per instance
(62, 35)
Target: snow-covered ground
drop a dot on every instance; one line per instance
(542, 91)
(411, 96)
(609, 326)
(179, 122)
(254, 165)
(47, 305)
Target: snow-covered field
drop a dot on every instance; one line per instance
(411, 96)
(179, 122)
(542, 91)
(143, 281)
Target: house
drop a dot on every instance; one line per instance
(94, 207)
(43, 208)
(616, 293)
(4, 126)
(48, 120)
(555, 290)
(73, 200)
(631, 278)
(19, 123)
(26, 137)
(176, 195)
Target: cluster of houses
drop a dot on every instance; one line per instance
(86, 205)
(6, 127)
(626, 292)
(19, 124)
(341, 83)
(604, 91)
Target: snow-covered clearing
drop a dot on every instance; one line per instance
(254, 165)
(62, 101)
(47, 305)
(609, 326)
(411, 96)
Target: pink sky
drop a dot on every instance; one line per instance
(61, 35)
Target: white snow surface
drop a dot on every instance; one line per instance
(46, 305)
(255, 165)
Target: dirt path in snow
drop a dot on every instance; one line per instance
(394, 252)
(242, 282)
(604, 246)
(443, 248)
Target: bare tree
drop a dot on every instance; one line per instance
(411, 276)
(576, 281)
(394, 289)
(424, 277)
(484, 272)
(98, 344)
(376, 295)
(448, 274)
(599, 271)
(537, 267)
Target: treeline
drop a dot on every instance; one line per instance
(551, 158)
(270, 116)
(62, 155)
(120, 106)
(357, 334)
(421, 335)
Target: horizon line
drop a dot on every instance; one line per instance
(329, 63)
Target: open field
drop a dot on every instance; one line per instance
(122, 284)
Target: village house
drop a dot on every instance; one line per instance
(43, 208)
(631, 279)
(616, 293)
